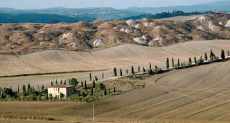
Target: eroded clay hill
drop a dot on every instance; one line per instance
(26, 38)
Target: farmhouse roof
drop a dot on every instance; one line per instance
(60, 86)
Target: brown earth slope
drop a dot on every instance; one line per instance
(104, 60)
(26, 38)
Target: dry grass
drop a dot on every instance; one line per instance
(121, 56)
(195, 95)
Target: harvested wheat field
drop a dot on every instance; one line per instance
(195, 95)
(96, 61)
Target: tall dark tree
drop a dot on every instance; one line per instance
(212, 56)
(52, 84)
(222, 54)
(94, 84)
(150, 71)
(121, 73)
(24, 90)
(43, 87)
(115, 71)
(29, 89)
(90, 76)
(132, 70)
(82, 84)
(96, 78)
(205, 57)
(173, 64)
(178, 63)
(86, 85)
(190, 61)
(195, 60)
(56, 82)
(150, 66)
(92, 91)
(167, 63)
(144, 70)
(228, 53)
(105, 92)
(156, 68)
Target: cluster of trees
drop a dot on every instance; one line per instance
(93, 91)
(26, 92)
(72, 81)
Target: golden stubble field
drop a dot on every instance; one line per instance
(104, 60)
(194, 95)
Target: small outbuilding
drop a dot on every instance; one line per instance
(60, 91)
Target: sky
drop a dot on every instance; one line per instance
(39, 4)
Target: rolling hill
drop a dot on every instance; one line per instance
(69, 15)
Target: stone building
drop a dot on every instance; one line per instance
(60, 91)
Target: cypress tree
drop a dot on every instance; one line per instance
(212, 56)
(222, 54)
(56, 82)
(52, 84)
(173, 64)
(150, 67)
(96, 78)
(105, 92)
(90, 76)
(18, 89)
(82, 84)
(132, 70)
(178, 63)
(121, 74)
(43, 88)
(167, 63)
(86, 85)
(29, 89)
(195, 60)
(228, 53)
(94, 84)
(190, 61)
(24, 90)
(114, 90)
(144, 70)
(205, 57)
(115, 71)
(92, 92)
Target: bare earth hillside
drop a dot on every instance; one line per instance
(102, 60)
(27, 38)
(194, 95)
(200, 93)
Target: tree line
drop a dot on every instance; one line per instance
(172, 63)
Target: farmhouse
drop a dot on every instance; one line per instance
(60, 91)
